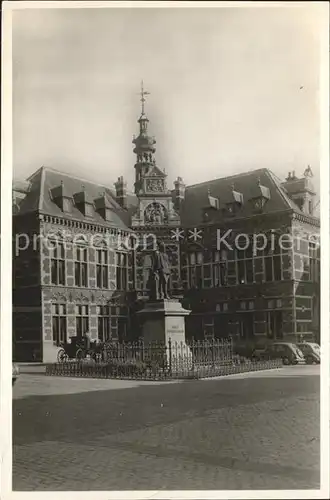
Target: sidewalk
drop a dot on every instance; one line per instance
(40, 369)
(284, 371)
(37, 368)
(38, 384)
(29, 364)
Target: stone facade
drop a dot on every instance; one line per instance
(279, 300)
(97, 278)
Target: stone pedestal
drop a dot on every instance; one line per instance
(163, 322)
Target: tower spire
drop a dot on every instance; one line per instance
(144, 146)
(143, 93)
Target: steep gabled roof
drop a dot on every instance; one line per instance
(196, 196)
(39, 198)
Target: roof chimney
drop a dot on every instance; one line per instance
(301, 190)
(121, 192)
(179, 192)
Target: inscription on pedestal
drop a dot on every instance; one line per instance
(174, 329)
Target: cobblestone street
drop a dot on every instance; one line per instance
(257, 431)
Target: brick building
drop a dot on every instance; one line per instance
(82, 254)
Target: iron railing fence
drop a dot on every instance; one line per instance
(141, 372)
(212, 352)
(172, 356)
(158, 361)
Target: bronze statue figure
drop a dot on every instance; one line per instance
(160, 273)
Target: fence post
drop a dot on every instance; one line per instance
(170, 355)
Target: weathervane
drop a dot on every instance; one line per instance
(142, 94)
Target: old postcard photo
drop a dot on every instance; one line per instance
(165, 183)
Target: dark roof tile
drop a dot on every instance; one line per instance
(198, 197)
(246, 183)
(40, 198)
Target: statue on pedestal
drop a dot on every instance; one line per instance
(160, 274)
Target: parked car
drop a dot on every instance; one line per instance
(15, 373)
(311, 351)
(289, 353)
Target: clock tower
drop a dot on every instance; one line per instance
(155, 204)
(156, 215)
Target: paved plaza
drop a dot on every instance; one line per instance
(252, 431)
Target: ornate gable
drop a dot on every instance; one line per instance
(156, 172)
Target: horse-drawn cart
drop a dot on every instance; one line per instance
(79, 348)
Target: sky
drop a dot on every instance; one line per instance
(231, 90)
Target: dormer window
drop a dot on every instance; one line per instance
(86, 209)
(214, 202)
(62, 197)
(84, 203)
(238, 198)
(236, 203)
(103, 207)
(261, 197)
(211, 206)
